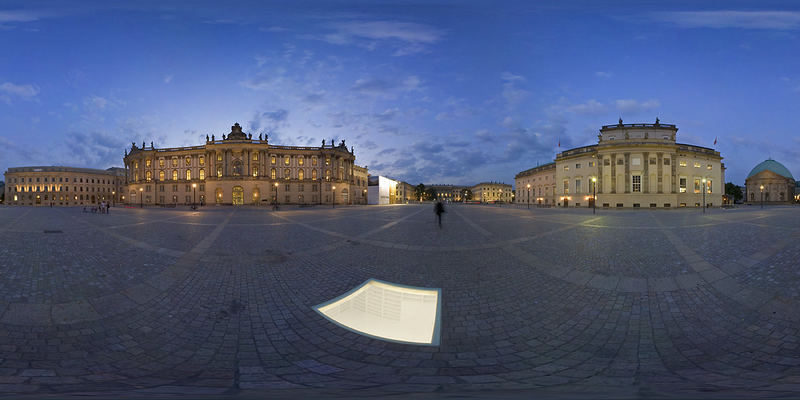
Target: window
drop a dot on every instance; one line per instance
(577, 166)
(327, 174)
(174, 174)
(255, 172)
(577, 185)
(287, 173)
(202, 161)
(696, 164)
(697, 185)
(636, 182)
(219, 171)
(149, 176)
(708, 185)
(611, 138)
(652, 161)
(272, 173)
(135, 166)
(606, 161)
(202, 174)
(147, 163)
(566, 168)
(219, 157)
(136, 176)
(566, 186)
(174, 188)
(636, 161)
(327, 161)
(314, 160)
(682, 185)
(161, 175)
(708, 167)
(300, 161)
(188, 174)
(272, 160)
(300, 174)
(620, 161)
(313, 174)
(682, 163)
(285, 160)
(255, 156)
(188, 161)
(666, 161)
(202, 187)
(288, 187)
(591, 163)
(175, 162)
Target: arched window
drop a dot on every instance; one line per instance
(149, 176)
(161, 175)
(300, 174)
(174, 174)
(300, 160)
(287, 173)
(314, 160)
(255, 156)
(327, 174)
(313, 174)
(255, 172)
(175, 162)
(272, 173)
(273, 159)
(218, 195)
(188, 161)
(219, 157)
(256, 195)
(202, 174)
(161, 162)
(286, 160)
(219, 171)
(188, 174)
(202, 161)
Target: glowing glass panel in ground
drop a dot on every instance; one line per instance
(388, 311)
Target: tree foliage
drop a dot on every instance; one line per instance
(419, 192)
(468, 194)
(734, 191)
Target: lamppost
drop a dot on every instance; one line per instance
(333, 203)
(762, 196)
(529, 196)
(194, 199)
(141, 198)
(276, 195)
(594, 195)
(704, 194)
(365, 196)
(113, 198)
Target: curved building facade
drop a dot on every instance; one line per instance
(239, 169)
(777, 182)
(63, 186)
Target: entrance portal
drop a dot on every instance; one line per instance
(238, 195)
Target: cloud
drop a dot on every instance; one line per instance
(168, 79)
(512, 93)
(634, 106)
(773, 20)
(381, 86)
(9, 90)
(279, 115)
(602, 74)
(273, 29)
(19, 16)
(406, 37)
(95, 103)
(591, 107)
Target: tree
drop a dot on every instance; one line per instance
(419, 191)
(734, 191)
(430, 193)
(468, 194)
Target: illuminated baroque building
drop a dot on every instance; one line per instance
(239, 169)
(638, 165)
(492, 192)
(63, 186)
(536, 185)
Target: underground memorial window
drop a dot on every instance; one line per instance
(388, 311)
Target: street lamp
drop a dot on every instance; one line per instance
(194, 200)
(141, 198)
(365, 196)
(113, 198)
(276, 195)
(704, 194)
(333, 203)
(594, 195)
(762, 196)
(529, 196)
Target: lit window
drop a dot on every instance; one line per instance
(314, 160)
(202, 161)
(161, 162)
(202, 174)
(188, 174)
(174, 162)
(708, 167)
(566, 186)
(327, 161)
(219, 171)
(636, 181)
(708, 186)
(327, 174)
(135, 166)
(161, 175)
(300, 174)
(287, 173)
(313, 174)
(300, 160)
(697, 185)
(147, 163)
(174, 174)
(219, 157)
(285, 160)
(273, 160)
(255, 156)
(682, 163)
(255, 172)
(566, 168)
(696, 164)
(272, 173)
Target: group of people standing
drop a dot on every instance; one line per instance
(102, 208)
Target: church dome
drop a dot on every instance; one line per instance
(771, 165)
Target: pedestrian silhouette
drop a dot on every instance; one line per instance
(438, 208)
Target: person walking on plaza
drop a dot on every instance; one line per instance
(438, 208)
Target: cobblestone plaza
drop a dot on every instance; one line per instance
(636, 303)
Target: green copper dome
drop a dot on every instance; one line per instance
(773, 166)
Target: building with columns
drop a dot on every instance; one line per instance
(486, 192)
(63, 186)
(239, 169)
(536, 185)
(772, 181)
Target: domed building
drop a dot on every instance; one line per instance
(778, 182)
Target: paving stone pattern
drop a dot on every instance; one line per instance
(547, 302)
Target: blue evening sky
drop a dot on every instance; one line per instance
(426, 91)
